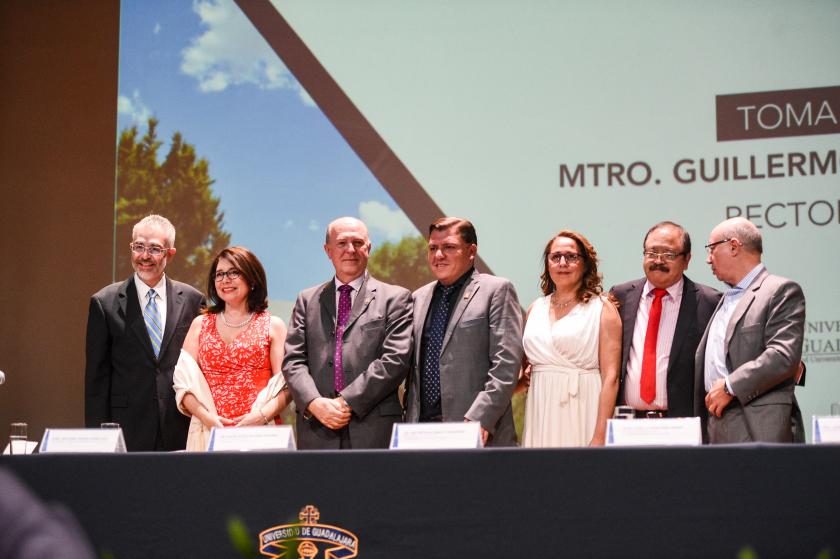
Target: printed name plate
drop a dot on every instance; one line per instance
(267, 437)
(83, 440)
(21, 447)
(436, 435)
(825, 429)
(676, 431)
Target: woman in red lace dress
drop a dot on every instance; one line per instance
(238, 345)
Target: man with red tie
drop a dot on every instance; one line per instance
(663, 317)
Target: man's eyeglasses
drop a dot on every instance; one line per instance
(666, 256)
(154, 250)
(571, 257)
(711, 246)
(230, 274)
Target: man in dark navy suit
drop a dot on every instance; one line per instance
(657, 360)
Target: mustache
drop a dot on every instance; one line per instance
(659, 268)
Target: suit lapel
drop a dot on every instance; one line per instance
(366, 294)
(632, 301)
(174, 308)
(701, 348)
(130, 305)
(685, 320)
(460, 306)
(743, 305)
(422, 301)
(327, 301)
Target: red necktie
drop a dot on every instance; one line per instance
(648, 382)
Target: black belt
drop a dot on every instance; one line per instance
(650, 414)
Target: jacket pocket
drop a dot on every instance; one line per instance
(473, 322)
(380, 323)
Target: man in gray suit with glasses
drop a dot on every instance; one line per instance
(749, 357)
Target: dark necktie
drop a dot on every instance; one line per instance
(340, 323)
(151, 315)
(437, 329)
(648, 382)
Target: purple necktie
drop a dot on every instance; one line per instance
(343, 315)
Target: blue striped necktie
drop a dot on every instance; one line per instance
(152, 317)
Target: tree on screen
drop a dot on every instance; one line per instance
(180, 189)
(403, 263)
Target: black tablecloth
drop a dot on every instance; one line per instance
(782, 501)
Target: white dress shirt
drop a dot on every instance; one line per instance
(715, 360)
(664, 340)
(160, 297)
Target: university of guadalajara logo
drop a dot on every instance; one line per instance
(308, 539)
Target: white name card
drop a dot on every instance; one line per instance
(825, 429)
(268, 437)
(21, 447)
(83, 440)
(436, 435)
(667, 431)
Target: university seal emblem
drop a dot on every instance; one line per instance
(308, 539)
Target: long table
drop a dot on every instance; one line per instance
(781, 501)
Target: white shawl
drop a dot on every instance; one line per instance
(188, 378)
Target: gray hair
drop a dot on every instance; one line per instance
(745, 231)
(159, 222)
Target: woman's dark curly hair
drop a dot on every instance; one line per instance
(253, 274)
(590, 284)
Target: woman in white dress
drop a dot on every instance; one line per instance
(572, 343)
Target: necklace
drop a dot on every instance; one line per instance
(560, 306)
(240, 325)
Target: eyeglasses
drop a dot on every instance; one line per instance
(571, 257)
(711, 246)
(666, 256)
(232, 274)
(154, 250)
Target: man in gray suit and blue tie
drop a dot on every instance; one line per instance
(348, 349)
(467, 339)
(748, 359)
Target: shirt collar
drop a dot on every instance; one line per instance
(675, 291)
(460, 282)
(748, 279)
(356, 284)
(143, 289)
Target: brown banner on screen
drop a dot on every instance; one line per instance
(778, 114)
